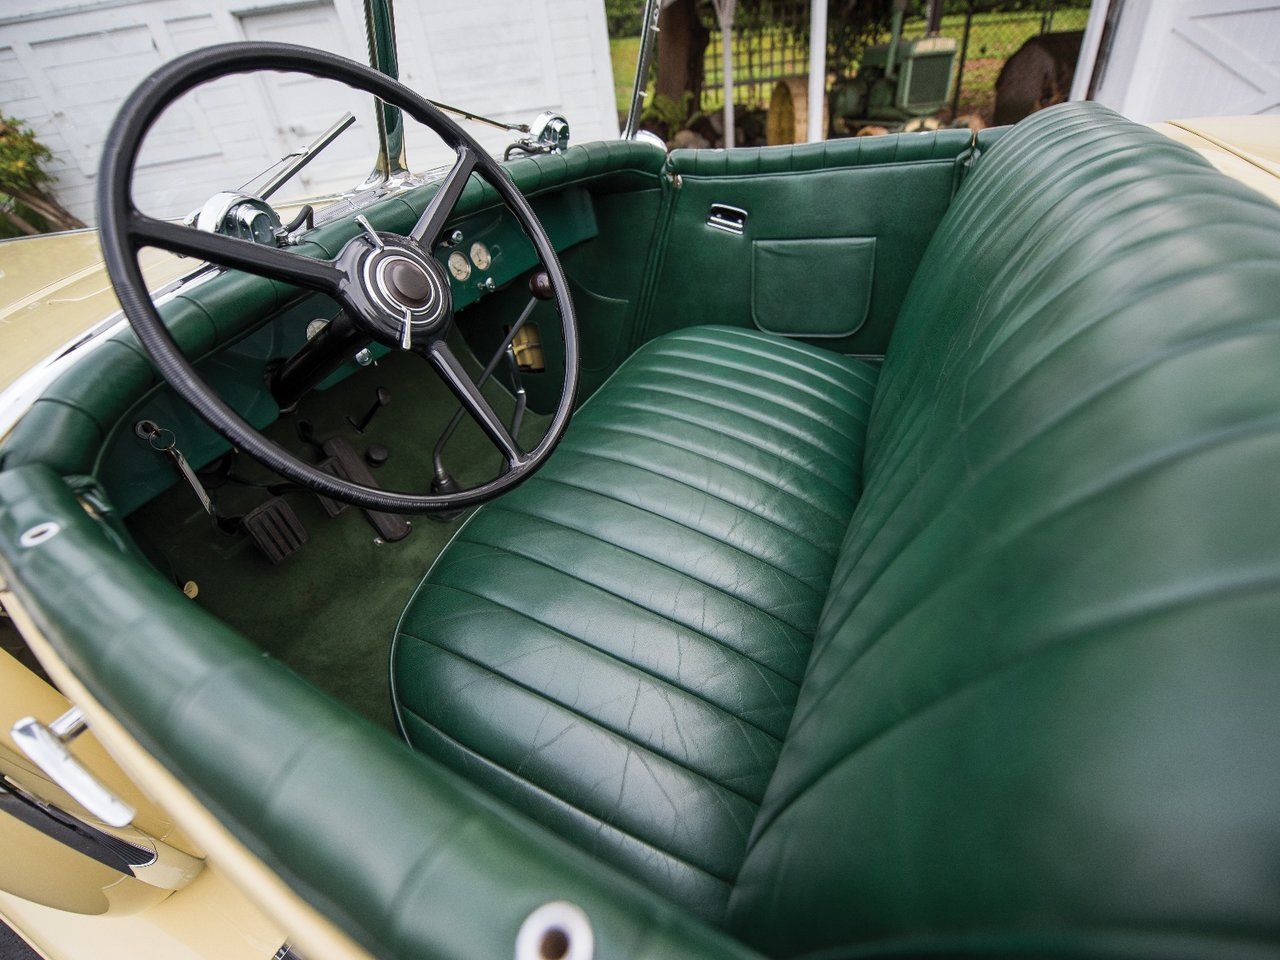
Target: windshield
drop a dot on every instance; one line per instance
(508, 61)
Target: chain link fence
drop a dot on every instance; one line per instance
(987, 35)
(771, 44)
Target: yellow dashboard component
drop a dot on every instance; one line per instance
(527, 346)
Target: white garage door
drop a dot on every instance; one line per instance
(301, 107)
(1189, 58)
(65, 67)
(1222, 53)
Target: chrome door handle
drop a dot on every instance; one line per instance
(46, 747)
(729, 219)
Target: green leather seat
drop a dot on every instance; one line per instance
(997, 675)
(617, 646)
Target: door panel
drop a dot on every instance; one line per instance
(880, 196)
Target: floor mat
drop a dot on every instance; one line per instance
(329, 610)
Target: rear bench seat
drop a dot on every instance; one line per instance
(982, 658)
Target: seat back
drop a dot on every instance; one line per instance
(1042, 709)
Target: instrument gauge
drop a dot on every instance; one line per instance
(480, 256)
(459, 266)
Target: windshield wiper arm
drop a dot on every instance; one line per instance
(467, 115)
(288, 166)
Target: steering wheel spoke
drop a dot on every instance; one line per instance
(320, 275)
(431, 224)
(468, 393)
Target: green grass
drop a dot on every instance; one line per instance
(993, 38)
(625, 51)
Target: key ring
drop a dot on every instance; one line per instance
(154, 434)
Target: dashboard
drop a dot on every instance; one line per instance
(483, 253)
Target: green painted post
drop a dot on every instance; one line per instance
(380, 26)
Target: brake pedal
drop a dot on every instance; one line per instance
(334, 508)
(275, 529)
(344, 462)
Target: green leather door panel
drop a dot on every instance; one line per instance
(893, 190)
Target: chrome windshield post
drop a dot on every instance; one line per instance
(648, 40)
(380, 25)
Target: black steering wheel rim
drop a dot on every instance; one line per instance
(124, 231)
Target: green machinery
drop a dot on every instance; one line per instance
(899, 80)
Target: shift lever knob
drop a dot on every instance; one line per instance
(540, 285)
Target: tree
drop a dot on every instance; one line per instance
(682, 51)
(25, 202)
(624, 17)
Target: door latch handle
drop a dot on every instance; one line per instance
(729, 219)
(46, 747)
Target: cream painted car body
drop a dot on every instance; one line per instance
(54, 289)
(1244, 148)
(55, 293)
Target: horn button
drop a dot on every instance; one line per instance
(401, 295)
(407, 282)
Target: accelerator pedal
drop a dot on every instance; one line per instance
(343, 462)
(275, 529)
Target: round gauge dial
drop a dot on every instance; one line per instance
(480, 256)
(459, 266)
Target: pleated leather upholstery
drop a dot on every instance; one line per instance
(1040, 711)
(1043, 708)
(616, 647)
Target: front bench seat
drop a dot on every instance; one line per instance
(1040, 712)
(616, 647)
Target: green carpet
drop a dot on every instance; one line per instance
(330, 610)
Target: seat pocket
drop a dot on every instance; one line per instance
(812, 288)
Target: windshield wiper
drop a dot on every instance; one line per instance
(467, 115)
(288, 166)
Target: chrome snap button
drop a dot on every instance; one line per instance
(40, 533)
(556, 931)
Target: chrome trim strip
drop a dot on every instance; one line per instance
(648, 41)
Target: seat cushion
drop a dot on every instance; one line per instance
(616, 647)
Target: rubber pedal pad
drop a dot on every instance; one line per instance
(275, 529)
(344, 462)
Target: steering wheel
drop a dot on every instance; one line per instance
(391, 287)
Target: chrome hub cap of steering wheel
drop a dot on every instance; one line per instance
(408, 290)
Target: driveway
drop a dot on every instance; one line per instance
(12, 946)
